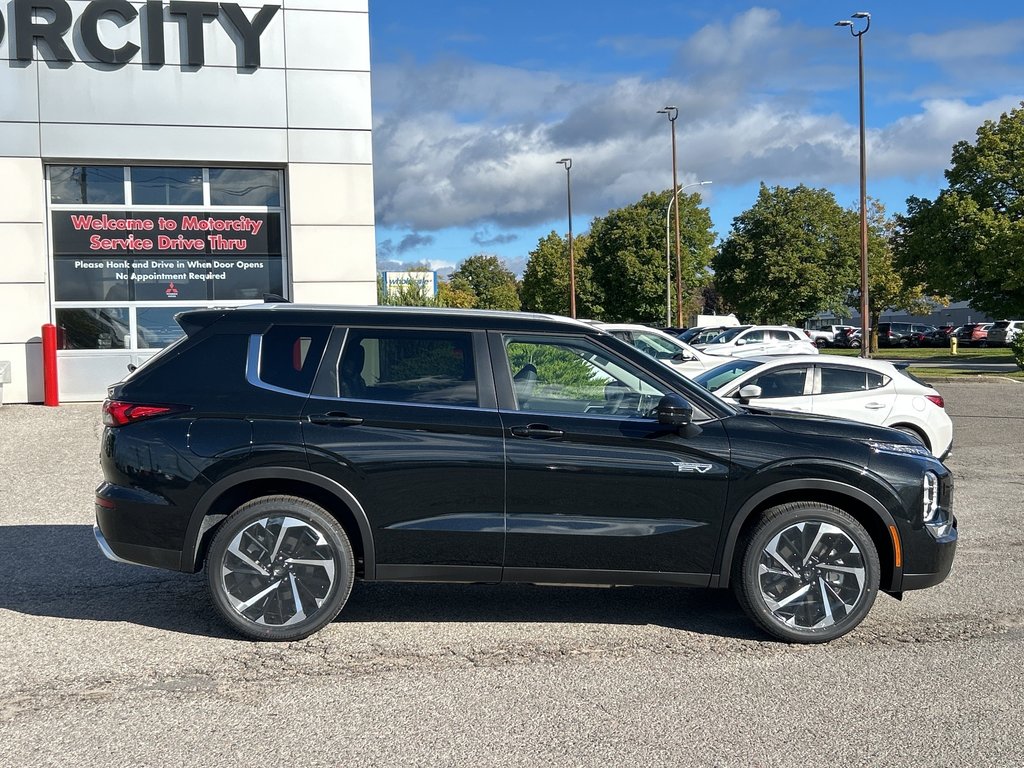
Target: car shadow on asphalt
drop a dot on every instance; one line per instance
(58, 571)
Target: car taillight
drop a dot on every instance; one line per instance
(117, 413)
(937, 399)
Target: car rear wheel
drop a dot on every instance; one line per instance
(806, 573)
(280, 568)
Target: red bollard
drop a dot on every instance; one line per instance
(50, 393)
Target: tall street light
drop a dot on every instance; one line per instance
(668, 254)
(672, 113)
(865, 340)
(567, 162)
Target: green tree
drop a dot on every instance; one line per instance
(449, 296)
(889, 286)
(627, 256)
(545, 286)
(489, 280)
(969, 242)
(789, 257)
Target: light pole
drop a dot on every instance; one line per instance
(865, 339)
(567, 162)
(668, 254)
(673, 113)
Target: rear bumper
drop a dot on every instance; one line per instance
(137, 527)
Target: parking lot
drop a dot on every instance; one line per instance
(113, 665)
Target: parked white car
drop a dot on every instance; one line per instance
(751, 340)
(826, 335)
(1003, 332)
(871, 391)
(663, 347)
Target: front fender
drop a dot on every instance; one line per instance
(871, 492)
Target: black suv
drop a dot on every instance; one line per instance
(294, 449)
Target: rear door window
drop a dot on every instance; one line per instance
(407, 366)
(836, 380)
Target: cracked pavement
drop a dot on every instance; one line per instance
(108, 665)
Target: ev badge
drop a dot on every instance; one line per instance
(686, 466)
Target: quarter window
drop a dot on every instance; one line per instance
(290, 355)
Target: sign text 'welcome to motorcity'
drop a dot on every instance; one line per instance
(48, 22)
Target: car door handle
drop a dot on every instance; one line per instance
(874, 406)
(537, 430)
(339, 419)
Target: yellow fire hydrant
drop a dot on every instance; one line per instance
(952, 345)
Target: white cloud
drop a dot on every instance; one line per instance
(463, 145)
(979, 42)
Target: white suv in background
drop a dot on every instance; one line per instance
(750, 340)
(662, 347)
(1003, 332)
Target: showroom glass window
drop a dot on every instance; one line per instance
(134, 245)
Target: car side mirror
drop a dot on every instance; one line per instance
(748, 393)
(674, 411)
(682, 357)
(740, 342)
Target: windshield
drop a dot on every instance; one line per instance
(660, 347)
(718, 377)
(727, 336)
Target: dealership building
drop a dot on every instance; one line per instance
(158, 156)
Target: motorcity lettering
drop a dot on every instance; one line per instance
(49, 21)
(163, 226)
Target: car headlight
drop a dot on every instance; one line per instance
(900, 449)
(930, 497)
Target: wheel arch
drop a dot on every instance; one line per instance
(904, 423)
(226, 495)
(863, 507)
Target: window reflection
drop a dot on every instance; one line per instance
(93, 328)
(157, 327)
(86, 184)
(167, 186)
(245, 186)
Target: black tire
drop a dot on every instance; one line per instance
(797, 596)
(279, 568)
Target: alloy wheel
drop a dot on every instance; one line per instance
(278, 571)
(811, 575)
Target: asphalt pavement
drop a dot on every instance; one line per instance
(103, 664)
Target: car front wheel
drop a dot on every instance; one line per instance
(806, 573)
(280, 568)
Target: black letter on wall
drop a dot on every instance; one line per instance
(26, 31)
(195, 14)
(154, 20)
(90, 35)
(249, 30)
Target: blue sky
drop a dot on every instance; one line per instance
(474, 102)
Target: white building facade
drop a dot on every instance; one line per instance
(157, 156)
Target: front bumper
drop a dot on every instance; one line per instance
(932, 567)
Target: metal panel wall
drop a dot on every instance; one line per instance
(305, 109)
